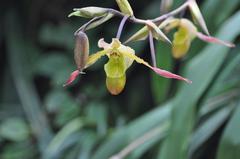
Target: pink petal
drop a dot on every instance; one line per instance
(72, 77)
(214, 40)
(168, 74)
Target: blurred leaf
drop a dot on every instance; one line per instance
(230, 142)
(50, 63)
(16, 45)
(20, 150)
(214, 18)
(56, 66)
(139, 146)
(61, 103)
(183, 114)
(97, 113)
(208, 128)
(59, 35)
(87, 144)
(214, 103)
(124, 135)
(229, 77)
(14, 129)
(62, 136)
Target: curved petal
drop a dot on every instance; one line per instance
(168, 74)
(72, 77)
(102, 44)
(94, 57)
(158, 71)
(214, 40)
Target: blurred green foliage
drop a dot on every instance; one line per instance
(153, 117)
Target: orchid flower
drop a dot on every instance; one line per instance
(185, 34)
(121, 57)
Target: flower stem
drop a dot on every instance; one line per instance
(152, 49)
(121, 26)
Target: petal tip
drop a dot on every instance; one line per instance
(168, 74)
(72, 77)
(188, 81)
(214, 40)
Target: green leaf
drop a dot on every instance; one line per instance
(17, 45)
(19, 150)
(116, 141)
(51, 34)
(230, 142)
(201, 71)
(14, 129)
(208, 128)
(62, 136)
(97, 113)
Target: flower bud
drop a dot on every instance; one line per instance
(125, 7)
(81, 51)
(165, 6)
(89, 12)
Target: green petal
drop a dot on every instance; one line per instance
(125, 7)
(157, 33)
(197, 15)
(94, 57)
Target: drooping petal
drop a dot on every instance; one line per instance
(159, 71)
(137, 59)
(168, 74)
(214, 40)
(72, 77)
